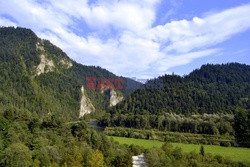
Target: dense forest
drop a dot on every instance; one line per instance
(213, 124)
(56, 91)
(210, 89)
(203, 102)
(26, 140)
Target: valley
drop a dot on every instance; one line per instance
(51, 116)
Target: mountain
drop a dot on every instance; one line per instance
(210, 89)
(201, 102)
(37, 76)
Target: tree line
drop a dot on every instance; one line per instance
(213, 124)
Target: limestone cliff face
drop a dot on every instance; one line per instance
(39, 46)
(66, 63)
(114, 98)
(45, 65)
(86, 106)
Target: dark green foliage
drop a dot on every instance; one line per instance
(122, 159)
(202, 151)
(26, 140)
(225, 87)
(53, 92)
(213, 124)
(136, 150)
(175, 137)
(211, 90)
(17, 155)
(242, 127)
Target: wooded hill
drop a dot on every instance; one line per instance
(193, 103)
(37, 76)
(210, 89)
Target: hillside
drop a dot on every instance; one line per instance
(211, 89)
(42, 93)
(201, 102)
(37, 76)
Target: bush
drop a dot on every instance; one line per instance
(216, 143)
(218, 158)
(225, 143)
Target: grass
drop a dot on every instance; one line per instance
(236, 154)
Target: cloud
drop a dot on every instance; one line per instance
(122, 35)
(182, 59)
(6, 22)
(203, 32)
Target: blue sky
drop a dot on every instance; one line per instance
(141, 39)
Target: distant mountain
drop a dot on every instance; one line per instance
(36, 75)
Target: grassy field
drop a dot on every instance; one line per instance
(237, 154)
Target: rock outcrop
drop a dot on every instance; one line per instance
(114, 98)
(45, 65)
(66, 63)
(86, 106)
(39, 46)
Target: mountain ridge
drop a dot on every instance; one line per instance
(38, 76)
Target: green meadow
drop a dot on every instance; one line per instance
(236, 154)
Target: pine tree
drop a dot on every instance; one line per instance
(202, 151)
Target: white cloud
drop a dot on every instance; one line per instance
(6, 22)
(182, 59)
(184, 35)
(119, 34)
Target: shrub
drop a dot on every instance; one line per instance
(225, 143)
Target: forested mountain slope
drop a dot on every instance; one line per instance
(201, 102)
(42, 93)
(210, 89)
(37, 76)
